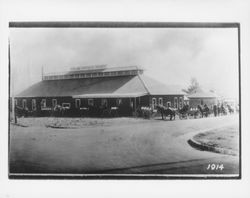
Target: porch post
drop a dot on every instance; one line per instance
(135, 104)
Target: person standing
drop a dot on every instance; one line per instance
(215, 110)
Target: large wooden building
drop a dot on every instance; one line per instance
(126, 88)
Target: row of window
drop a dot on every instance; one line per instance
(168, 103)
(89, 75)
(104, 102)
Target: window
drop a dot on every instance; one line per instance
(104, 102)
(168, 104)
(118, 101)
(66, 105)
(90, 102)
(33, 102)
(16, 102)
(54, 102)
(202, 102)
(77, 103)
(180, 102)
(24, 103)
(175, 102)
(43, 103)
(160, 101)
(153, 102)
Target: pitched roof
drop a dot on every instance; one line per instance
(155, 87)
(128, 85)
(203, 94)
(106, 87)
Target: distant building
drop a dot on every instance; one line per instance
(203, 97)
(232, 102)
(126, 88)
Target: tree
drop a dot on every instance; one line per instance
(193, 87)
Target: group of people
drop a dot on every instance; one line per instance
(205, 111)
(221, 109)
(216, 109)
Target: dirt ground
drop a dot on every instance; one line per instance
(78, 122)
(115, 145)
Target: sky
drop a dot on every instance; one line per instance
(170, 55)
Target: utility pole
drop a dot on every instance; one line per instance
(42, 72)
(12, 90)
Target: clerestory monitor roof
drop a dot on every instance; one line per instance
(95, 72)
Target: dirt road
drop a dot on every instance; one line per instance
(143, 146)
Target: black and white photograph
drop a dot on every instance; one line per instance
(124, 100)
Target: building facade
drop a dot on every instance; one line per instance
(96, 88)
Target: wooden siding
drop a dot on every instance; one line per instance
(127, 106)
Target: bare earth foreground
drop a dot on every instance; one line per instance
(117, 146)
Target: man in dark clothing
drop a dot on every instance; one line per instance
(215, 110)
(206, 110)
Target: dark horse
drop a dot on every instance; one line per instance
(183, 112)
(204, 111)
(165, 111)
(230, 109)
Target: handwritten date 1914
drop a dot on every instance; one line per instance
(215, 167)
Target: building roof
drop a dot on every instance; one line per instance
(203, 94)
(103, 68)
(155, 87)
(107, 87)
(130, 85)
(94, 72)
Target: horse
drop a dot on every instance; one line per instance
(222, 110)
(230, 109)
(183, 112)
(165, 111)
(204, 111)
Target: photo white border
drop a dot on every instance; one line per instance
(155, 11)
